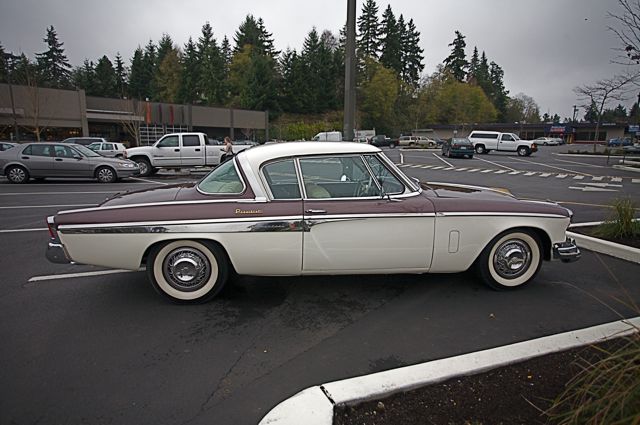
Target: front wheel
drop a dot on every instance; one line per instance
(144, 165)
(392, 145)
(480, 149)
(106, 175)
(187, 271)
(510, 260)
(523, 151)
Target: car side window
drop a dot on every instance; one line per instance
(337, 177)
(224, 179)
(507, 138)
(282, 179)
(213, 142)
(37, 150)
(389, 182)
(62, 151)
(107, 146)
(191, 140)
(169, 142)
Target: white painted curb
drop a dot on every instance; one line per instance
(605, 247)
(314, 405)
(625, 168)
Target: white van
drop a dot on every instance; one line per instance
(487, 141)
(328, 136)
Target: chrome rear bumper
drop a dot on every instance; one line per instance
(567, 251)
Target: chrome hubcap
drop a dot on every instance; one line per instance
(105, 175)
(186, 269)
(512, 259)
(17, 175)
(143, 167)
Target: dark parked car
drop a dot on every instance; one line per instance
(382, 140)
(458, 147)
(6, 145)
(41, 159)
(620, 142)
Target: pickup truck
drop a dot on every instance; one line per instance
(487, 141)
(180, 150)
(382, 140)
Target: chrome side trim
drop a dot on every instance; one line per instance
(498, 214)
(156, 204)
(66, 227)
(200, 228)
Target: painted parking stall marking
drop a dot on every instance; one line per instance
(76, 275)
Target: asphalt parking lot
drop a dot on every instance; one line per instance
(85, 345)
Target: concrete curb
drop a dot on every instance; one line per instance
(605, 247)
(314, 405)
(625, 168)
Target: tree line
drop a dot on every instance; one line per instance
(297, 86)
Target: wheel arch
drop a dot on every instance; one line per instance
(157, 244)
(541, 234)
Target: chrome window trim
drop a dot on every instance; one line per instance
(244, 186)
(409, 184)
(266, 183)
(254, 183)
(404, 186)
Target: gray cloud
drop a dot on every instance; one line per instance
(545, 47)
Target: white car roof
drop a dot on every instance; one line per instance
(259, 154)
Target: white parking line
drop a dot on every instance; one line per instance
(486, 171)
(23, 230)
(84, 274)
(581, 163)
(635, 180)
(495, 163)
(24, 207)
(561, 176)
(474, 170)
(461, 169)
(616, 179)
(56, 193)
(438, 167)
(148, 181)
(500, 172)
(515, 173)
(530, 173)
(551, 166)
(579, 177)
(545, 174)
(597, 179)
(440, 158)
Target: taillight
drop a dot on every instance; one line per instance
(52, 228)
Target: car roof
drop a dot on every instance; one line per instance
(259, 154)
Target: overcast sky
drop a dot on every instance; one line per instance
(546, 47)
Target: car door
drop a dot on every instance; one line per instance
(191, 152)
(507, 143)
(107, 149)
(167, 152)
(39, 160)
(68, 162)
(356, 221)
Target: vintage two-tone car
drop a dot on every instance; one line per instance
(306, 208)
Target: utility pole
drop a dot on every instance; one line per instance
(10, 60)
(350, 74)
(575, 111)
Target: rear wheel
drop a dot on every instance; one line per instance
(392, 145)
(187, 271)
(511, 260)
(106, 175)
(480, 149)
(17, 174)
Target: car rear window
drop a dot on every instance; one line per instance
(484, 135)
(224, 179)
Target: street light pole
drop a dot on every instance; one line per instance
(350, 74)
(575, 111)
(10, 58)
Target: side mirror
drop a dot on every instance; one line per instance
(78, 157)
(415, 180)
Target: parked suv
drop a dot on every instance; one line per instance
(113, 150)
(416, 141)
(84, 141)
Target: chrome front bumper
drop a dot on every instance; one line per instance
(567, 251)
(56, 252)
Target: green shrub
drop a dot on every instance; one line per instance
(622, 223)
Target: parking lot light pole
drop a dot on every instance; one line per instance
(9, 60)
(350, 73)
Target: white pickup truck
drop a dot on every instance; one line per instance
(487, 141)
(181, 150)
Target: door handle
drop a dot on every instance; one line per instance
(25, 157)
(58, 159)
(312, 211)
(176, 150)
(197, 149)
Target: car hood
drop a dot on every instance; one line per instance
(457, 198)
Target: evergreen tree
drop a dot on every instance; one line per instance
(4, 68)
(290, 93)
(169, 77)
(105, 78)
(84, 77)
(225, 50)
(368, 40)
(498, 94)
(456, 62)
(254, 33)
(390, 46)
(24, 72)
(634, 113)
(261, 91)
(411, 56)
(312, 64)
(189, 77)
(474, 66)
(137, 80)
(482, 76)
(52, 65)
(211, 68)
(149, 66)
(164, 46)
(121, 76)
(266, 40)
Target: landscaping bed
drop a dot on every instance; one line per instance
(593, 232)
(514, 394)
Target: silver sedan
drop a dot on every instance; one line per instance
(41, 160)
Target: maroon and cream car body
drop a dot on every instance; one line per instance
(311, 208)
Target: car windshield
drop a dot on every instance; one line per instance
(515, 137)
(86, 151)
(94, 146)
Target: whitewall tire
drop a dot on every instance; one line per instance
(187, 271)
(511, 260)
